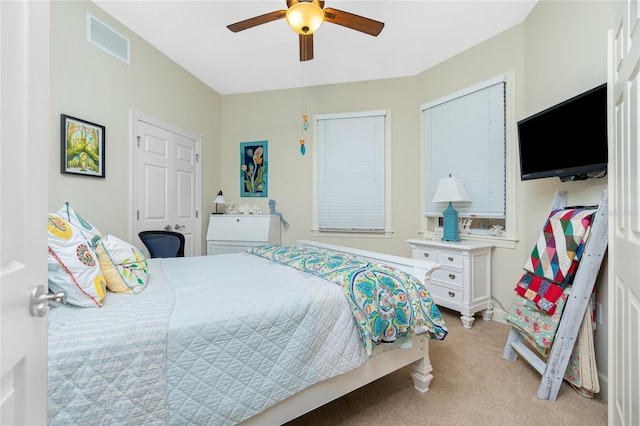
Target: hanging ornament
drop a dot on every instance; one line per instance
(302, 148)
(305, 122)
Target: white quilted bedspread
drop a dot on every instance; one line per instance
(107, 365)
(243, 334)
(246, 333)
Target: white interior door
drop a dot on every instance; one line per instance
(624, 221)
(167, 176)
(24, 141)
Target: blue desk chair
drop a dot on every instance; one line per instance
(163, 243)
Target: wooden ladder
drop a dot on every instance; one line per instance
(554, 369)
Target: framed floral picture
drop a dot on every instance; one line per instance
(253, 169)
(81, 147)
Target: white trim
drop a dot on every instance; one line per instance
(356, 114)
(464, 92)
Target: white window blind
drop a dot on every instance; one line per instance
(351, 172)
(465, 137)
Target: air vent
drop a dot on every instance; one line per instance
(107, 39)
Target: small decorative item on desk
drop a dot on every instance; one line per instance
(450, 190)
(272, 210)
(219, 200)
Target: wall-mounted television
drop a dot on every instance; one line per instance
(568, 140)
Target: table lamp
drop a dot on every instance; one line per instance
(219, 200)
(450, 190)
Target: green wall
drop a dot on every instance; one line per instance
(90, 84)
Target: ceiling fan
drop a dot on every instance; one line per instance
(305, 17)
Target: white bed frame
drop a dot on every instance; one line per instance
(375, 367)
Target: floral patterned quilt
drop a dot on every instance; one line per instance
(386, 303)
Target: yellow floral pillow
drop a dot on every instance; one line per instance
(122, 264)
(73, 265)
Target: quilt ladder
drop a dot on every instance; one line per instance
(554, 368)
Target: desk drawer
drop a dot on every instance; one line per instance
(449, 276)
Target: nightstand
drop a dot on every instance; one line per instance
(464, 281)
(229, 233)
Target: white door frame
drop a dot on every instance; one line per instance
(134, 117)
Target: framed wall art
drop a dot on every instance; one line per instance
(81, 147)
(253, 169)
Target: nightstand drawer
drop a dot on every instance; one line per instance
(447, 258)
(449, 277)
(442, 294)
(430, 255)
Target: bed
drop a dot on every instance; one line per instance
(226, 339)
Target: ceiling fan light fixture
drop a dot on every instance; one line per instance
(305, 17)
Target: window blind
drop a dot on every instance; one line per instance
(465, 137)
(351, 173)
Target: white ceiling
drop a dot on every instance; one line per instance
(418, 34)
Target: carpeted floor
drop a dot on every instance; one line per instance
(472, 385)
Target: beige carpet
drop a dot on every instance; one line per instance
(472, 385)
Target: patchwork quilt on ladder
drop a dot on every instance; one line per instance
(544, 288)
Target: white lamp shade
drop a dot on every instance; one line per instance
(219, 199)
(450, 189)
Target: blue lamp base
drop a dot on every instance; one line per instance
(450, 224)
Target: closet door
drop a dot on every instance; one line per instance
(167, 185)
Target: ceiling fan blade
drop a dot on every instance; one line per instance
(355, 22)
(257, 20)
(306, 47)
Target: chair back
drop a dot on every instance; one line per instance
(163, 243)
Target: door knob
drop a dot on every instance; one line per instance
(167, 228)
(40, 300)
(179, 227)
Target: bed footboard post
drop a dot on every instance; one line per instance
(421, 369)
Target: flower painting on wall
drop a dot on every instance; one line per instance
(253, 169)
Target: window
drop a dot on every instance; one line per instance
(465, 136)
(351, 172)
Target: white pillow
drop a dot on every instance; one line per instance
(90, 232)
(122, 264)
(73, 265)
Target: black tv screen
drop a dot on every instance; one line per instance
(568, 140)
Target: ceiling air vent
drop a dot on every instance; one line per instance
(107, 39)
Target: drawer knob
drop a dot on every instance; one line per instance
(451, 294)
(452, 277)
(425, 254)
(450, 259)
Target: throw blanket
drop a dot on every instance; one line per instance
(554, 260)
(539, 329)
(386, 303)
(557, 252)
